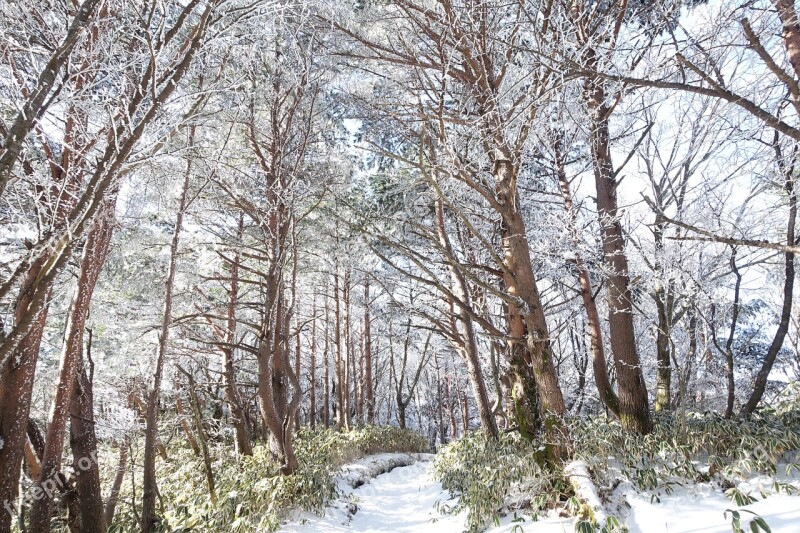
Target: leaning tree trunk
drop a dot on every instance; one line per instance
(528, 332)
(95, 252)
(789, 272)
(468, 347)
(594, 327)
(116, 487)
(16, 388)
(149, 482)
(632, 391)
(37, 100)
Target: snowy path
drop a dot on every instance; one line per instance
(404, 501)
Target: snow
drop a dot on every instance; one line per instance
(701, 508)
(402, 500)
(392, 492)
(585, 489)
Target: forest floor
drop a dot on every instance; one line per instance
(408, 499)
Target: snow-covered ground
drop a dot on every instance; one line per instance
(406, 499)
(701, 508)
(403, 500)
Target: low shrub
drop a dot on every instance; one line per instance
(705, 447)
(252, 495)
(490, 476)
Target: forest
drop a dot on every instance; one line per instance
(399, 265)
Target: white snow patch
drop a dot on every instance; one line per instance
(701, 508)
(578, 474)
(403, 500)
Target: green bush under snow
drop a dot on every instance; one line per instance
(492, 477)
(252, 496)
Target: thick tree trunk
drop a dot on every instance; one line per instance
(94, 256)
(401, 411)
(632, 392)
(663, 355)
(83, 441)
(529, 339)
(16, 388)
(791, 32)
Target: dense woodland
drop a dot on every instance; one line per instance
(227, 223)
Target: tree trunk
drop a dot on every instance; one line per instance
(34, 106)
(149, 521)
(632, 391)
(113, 495)
(728, 351)
(337, 316)
(16, 388)
(94, 256)
(468, 348)
(326, 409)
(244, 445)
(312, 367)
(198, 422)
(606, 392)
(789, 271)
(344, 386)
(184, 421)
(83, 441)
(529, 339)
(369, 397)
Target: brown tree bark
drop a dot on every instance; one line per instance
(347, 363)
(789, 270)
(198, 423)
(37, 101)
(369, 398)
(634, 409)
(727, 351)
(594, 327)
(340, 369)
(184, 421)
(529, 344)
(16, 388)
(312, 367)
(244, 445)
(94, 256)
(83, 441)
(467, 345)
(113, 496)
(326, 408)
